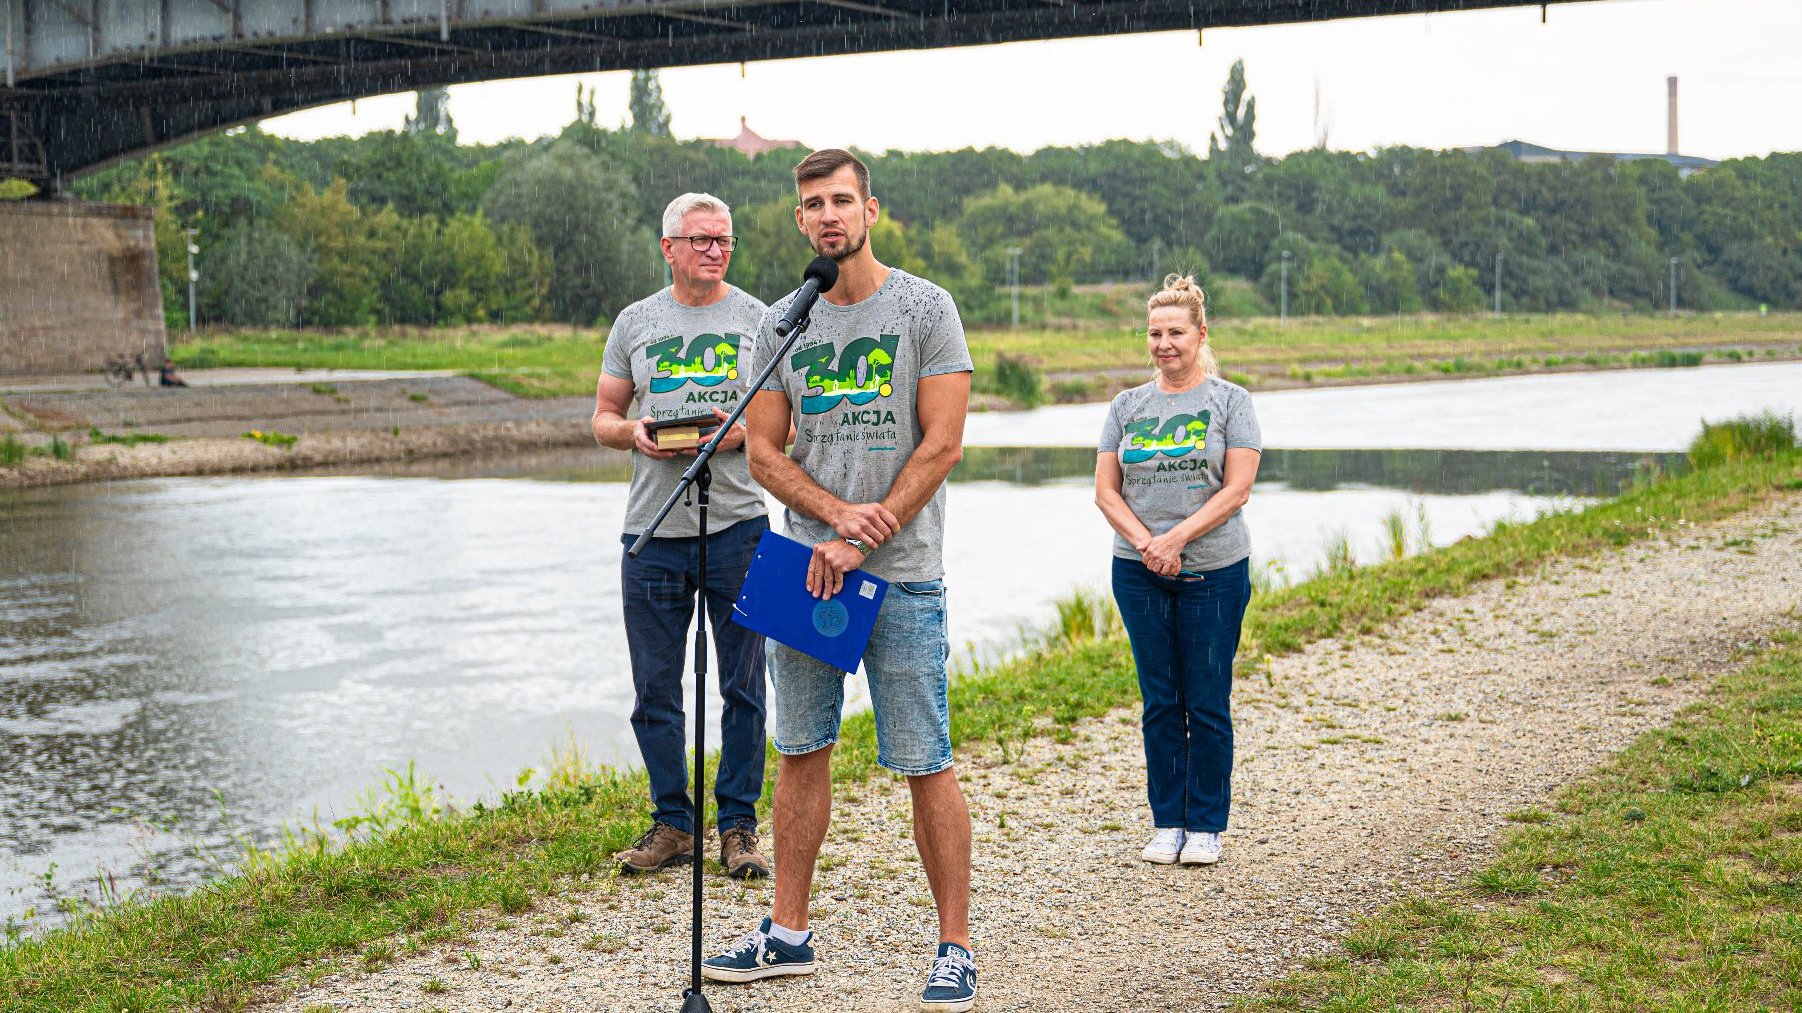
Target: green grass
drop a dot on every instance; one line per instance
(542, 360)
(1744, 439)
(95, 436)
(213, 948)
(1671, 879)
(532, 360)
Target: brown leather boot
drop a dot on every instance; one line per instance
(738, 853)
(661, 847)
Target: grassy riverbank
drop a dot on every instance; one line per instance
(1086, 361)
(425, 879)
(1669, 880)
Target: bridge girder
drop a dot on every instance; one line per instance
(91, 82)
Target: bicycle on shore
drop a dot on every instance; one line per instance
(121, 368)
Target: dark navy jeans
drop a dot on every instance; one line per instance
(1184, 633)
(659, 588)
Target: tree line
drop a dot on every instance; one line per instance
(412, 227)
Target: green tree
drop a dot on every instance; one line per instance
(587, 222)
(1457, 291)
(354, 251)
(1230, 150)
(1389, 283)
(1061, 233)
(1241, 238)
(257, 278)
(431, 115)
(649, 115)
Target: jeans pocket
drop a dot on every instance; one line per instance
(921, 588)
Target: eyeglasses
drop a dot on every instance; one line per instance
(699, 244)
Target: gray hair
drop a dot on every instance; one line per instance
(672, 215)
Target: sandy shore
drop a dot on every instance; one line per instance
(1367, 771)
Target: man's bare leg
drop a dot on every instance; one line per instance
(942, 833)
(801, 812)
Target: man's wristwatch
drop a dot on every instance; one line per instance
(860, 545)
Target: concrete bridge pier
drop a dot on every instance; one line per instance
(78, 285)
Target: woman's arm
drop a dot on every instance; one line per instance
(1240, 470)
(1113, 506)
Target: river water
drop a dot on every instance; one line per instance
(186, 659)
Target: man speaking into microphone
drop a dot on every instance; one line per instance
(876, 389)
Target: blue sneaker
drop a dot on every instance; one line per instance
(760, 955)
(951, 987)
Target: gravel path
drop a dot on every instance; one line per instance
(1367, 771)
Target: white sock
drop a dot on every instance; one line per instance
(790, 936)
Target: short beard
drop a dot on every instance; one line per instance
(851, 250)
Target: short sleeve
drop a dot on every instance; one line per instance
(1242, 432)
(1112, 431)
(763, 346)
(943, 348)
(616, 359)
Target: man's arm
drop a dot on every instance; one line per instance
(612, 399)
(941, 403)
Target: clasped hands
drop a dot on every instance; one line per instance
(869, 523)
(1163, 554)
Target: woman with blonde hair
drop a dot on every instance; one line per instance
(1176, 461)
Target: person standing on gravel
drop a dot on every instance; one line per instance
(1176, 462)
(677, 354)
(876, 391)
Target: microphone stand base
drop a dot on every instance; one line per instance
(694, 1002)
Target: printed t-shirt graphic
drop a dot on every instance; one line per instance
(684, 360)
(1172, 451)
(852, 382)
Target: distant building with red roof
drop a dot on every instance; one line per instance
(751, 142)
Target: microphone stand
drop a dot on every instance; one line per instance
(700, 476)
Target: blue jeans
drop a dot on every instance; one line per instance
(905, 664)
(1184, 633)
(659, 588)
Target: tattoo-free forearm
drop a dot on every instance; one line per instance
(921, 477)
(776, 471)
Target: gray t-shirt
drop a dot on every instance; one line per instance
(851, 382)
(684, 360)
(1172, 451)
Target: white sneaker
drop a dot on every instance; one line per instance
(1201, 849)
(1165, 846)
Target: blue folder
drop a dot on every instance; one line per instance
(775, 603)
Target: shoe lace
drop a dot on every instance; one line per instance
(649, 836)
(746, 840)
(948, 971)
(753, 944)
(1168, 837)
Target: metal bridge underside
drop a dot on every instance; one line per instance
(90, 82)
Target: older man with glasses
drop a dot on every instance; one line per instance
(677, 354)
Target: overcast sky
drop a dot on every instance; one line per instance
(1591, 78)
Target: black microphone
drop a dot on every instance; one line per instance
(820, 276)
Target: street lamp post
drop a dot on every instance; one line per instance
(1498, 283)
(1013, 277)
(1673, 286)
(193, 276)
(1283, 318)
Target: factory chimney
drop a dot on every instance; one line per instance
(1671, 82)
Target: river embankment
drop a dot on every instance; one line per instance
(213, 429)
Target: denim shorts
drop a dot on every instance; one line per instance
(905, 665)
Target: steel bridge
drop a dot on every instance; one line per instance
(89, 82)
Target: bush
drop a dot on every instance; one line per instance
(1749, 437)
(12, 452)
(1018, 380)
